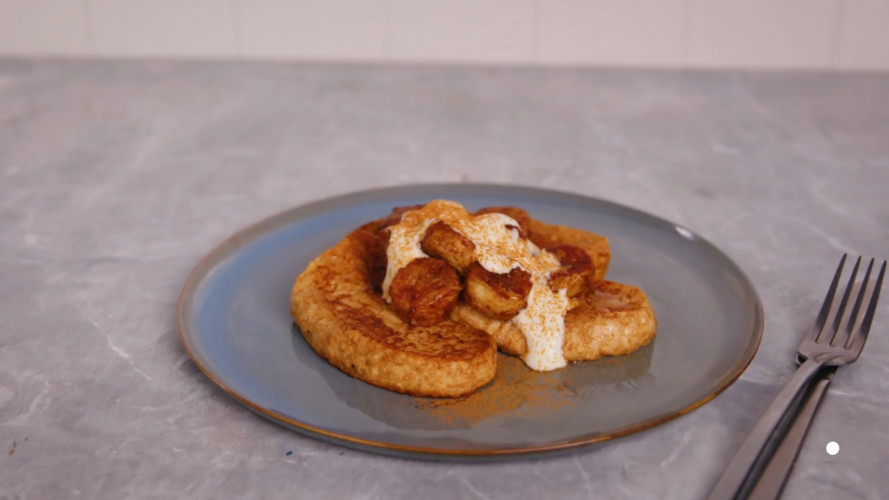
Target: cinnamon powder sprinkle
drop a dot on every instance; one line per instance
(515, 388)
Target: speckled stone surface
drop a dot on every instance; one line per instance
(116, 178)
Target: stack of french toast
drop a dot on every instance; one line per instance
(421, 300)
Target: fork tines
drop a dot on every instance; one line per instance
(839, 313)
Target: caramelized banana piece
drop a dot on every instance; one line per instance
(442, 241)
(425, 291)
(499, 296)
(517, 214)
(576, 271)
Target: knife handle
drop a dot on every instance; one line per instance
(758, 444)
(774, 477)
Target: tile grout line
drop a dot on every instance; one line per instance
(535, 35)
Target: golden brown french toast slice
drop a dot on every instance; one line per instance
(346, 322)
(549, 235)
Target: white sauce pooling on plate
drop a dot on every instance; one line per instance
(499, 249)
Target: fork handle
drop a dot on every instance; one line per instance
(739, 469)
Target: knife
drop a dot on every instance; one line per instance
(774, 477)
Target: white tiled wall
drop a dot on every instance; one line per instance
(864, 35)
(149, 27)
(311, 29)
(461, 30)
(818, 34)
(637, 32)
(773, 33)
(44, 27)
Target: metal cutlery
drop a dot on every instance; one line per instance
(836, 339)
(774, 475)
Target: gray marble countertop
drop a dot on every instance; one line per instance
(116, 178)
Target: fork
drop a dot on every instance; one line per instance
(836, 339)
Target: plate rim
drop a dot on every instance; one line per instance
(245, 235)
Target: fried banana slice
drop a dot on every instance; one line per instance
(347, 323)
(442, 241)
(576, 270)
(500, 296)
(425, 291)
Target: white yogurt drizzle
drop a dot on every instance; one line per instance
(499, 249)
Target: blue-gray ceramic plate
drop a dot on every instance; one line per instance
(235, 322)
